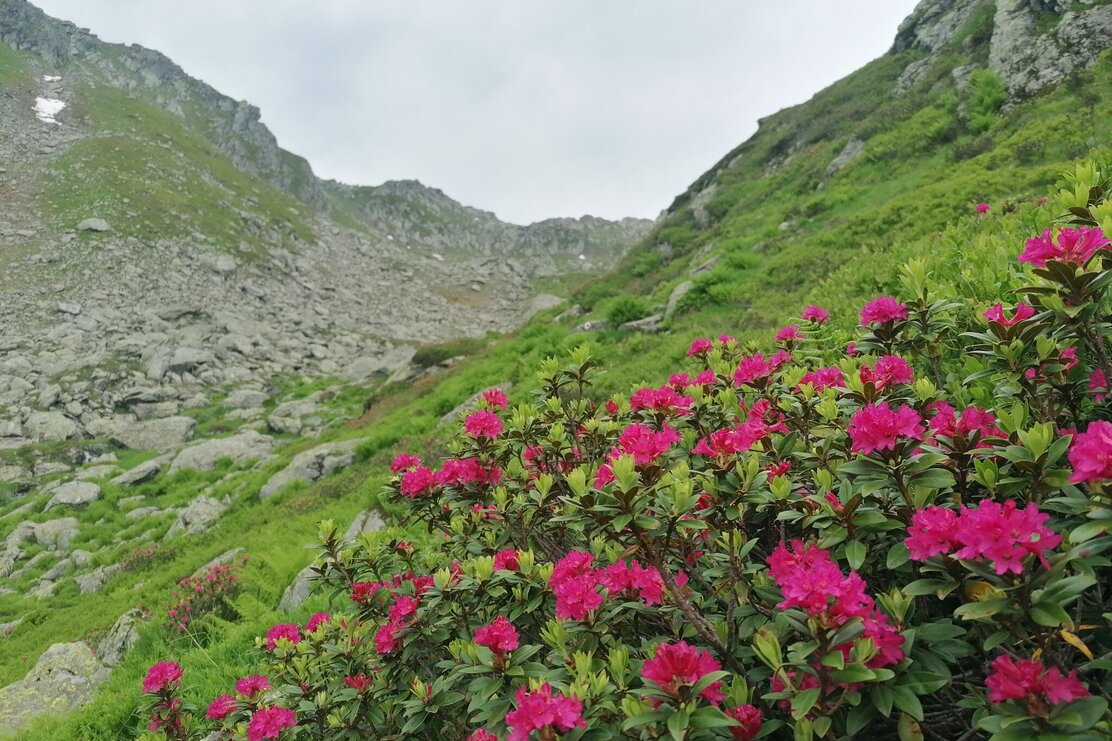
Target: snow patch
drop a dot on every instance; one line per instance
(47, 108)
(582, 257)
(51, 78)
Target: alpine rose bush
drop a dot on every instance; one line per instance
(909, 540)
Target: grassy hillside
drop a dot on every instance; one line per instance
(766, 231)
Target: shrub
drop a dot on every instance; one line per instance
(208, 593)
(795, 541)
(627, 309)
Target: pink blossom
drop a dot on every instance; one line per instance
(851, 349)
(252, 685)
(752, 368)
(269, 723)
(678, 665)
(221, 707)
(163, 676)
(888, 370)
(499, 636)
(1074, 246)
(1098, 385)
(417, 481)
(404, 462)
(1091, 453)
(681, 381)
(748, 719)
(789, 333)
(931, 532)
(879, 427)
(506, 560)
(726, 339)
(462, 471)
(982, 208)
(972, 423)
(722, 444)
(482, 734)
(359, 682)
(816, 314)
(483, 424)
(1000, 533)
(644, 444)
(577, 597)
(1028, 680)
(663, 400)
(495, 398)
(287, 631)
(1021, 313)
(700, 346)
(824, 378)
(540, 710)
(883, 309)
(386, 639)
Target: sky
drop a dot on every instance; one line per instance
(528, 108)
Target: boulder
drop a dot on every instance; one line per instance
(95, 580)
(674, 298)
(363, 368)
(198, 516)
(245, 399)
(223, 559)
(93, 225)
(143, 472)
(311, 465)
(74, 494)
(50, 426)
(648, 324)
(162, 435)
(123, 635)
(242, 448)
(63, 679)
(57, 533)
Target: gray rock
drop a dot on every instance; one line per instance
(245, 399)
(94, 581)
(93, 225)
(648, 324)
(74, 494)
(10, 428)
(155, 410)
(162, 435)
(63, 679)
(363, 368)
(12, 473)
(198, 516)
(143, 472)
(223, 559)
(69, 308)
(121, 638)
(597, 325)
(94, 472)
(6, 629)
(241, 448)
(57, 533)
(50, 426)
(851, 151)
(674, 298)
(311, 465)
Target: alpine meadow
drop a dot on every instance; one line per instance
(823, 452)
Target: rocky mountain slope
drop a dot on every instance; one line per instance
(157, 242)
(828, 202)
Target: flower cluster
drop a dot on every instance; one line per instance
(879, 427)
(1073, 246)
(1031, 682)
(199, 595)
(543, 710)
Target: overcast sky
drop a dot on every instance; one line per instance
(528, 108)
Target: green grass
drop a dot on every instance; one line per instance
(14, 71)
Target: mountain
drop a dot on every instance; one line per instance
(868, 188)
(154, 218)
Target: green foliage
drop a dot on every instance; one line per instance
(987, 94)
(626, 309)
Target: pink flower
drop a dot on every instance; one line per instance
(1098, 385)
(359, 683)
(789, 333)
(363, 591)
(404, 462)
(748, 719)
(404, 606)
(681, 381)
(221, 707)
(1074, 246)
(1028, 680)
(1091, 453)
(506, 560)
(482, 734)
(723, 444)
(725, 339)
(495, 398)
(851, 349)
(252, 685)
(664, 400)
(500, 636)
(483, 424)
(816, 314)
(386, 639)
(645, 445)
(461, 471)
(269, 723)
(677, 665)
(287, 631)
(700, 346)
(317, 620)
(982, 208)
(163, 676)
(417, 481)
(888, 370)
(824, 378)
(752, 368)
(540, 710)
(1004, 534)
(883, 309)
(973, 423)
(1022, 312)
(574, 582)
(880, 427)
(931, 532)
(612, 408)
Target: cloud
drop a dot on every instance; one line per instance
(529, 109)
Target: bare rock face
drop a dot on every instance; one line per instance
(198, 516)
(242, 448)
(120, 639)
(312, 465)
(161, 435)
(63, 679)
(74, 494)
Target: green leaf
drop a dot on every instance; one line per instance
(1049, 614)
(981, 610)
(804, 701)
(897, 555)
(907, 701)
(908, 728)
(855, 554)
(677, 725)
